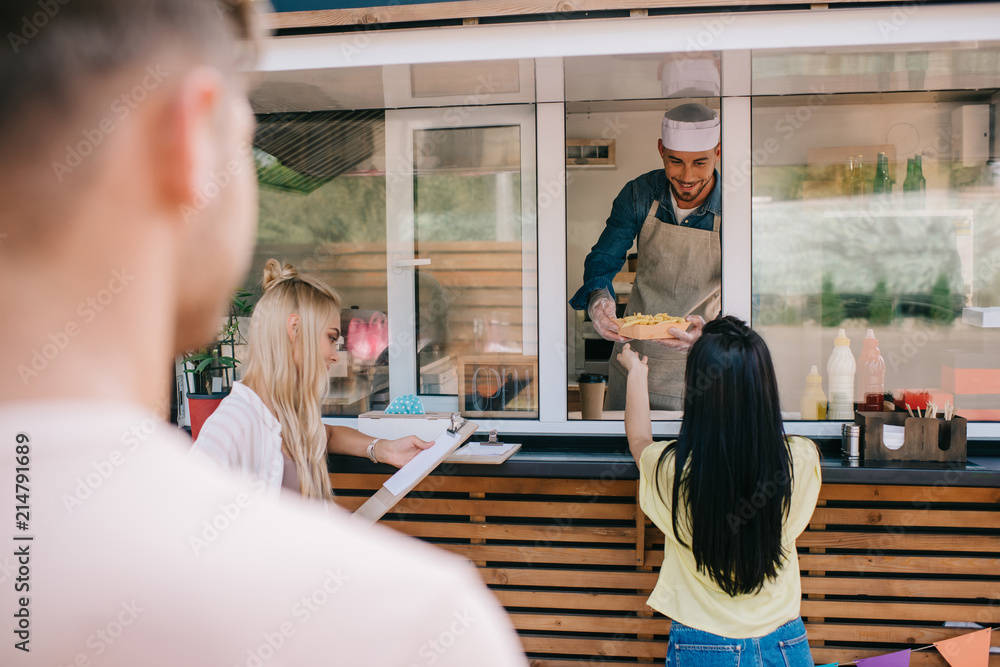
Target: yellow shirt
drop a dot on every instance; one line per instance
(692, 597)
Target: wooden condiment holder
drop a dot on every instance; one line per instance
(924, 439)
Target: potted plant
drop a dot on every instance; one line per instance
(210, 372)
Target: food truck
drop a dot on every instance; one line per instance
(448, 166)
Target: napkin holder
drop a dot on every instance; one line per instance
(933, 439)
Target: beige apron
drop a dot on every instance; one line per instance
(679, 272)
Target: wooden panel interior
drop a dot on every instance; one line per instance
(883, 568)
(466, 282)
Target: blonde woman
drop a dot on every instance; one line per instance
(269, 427)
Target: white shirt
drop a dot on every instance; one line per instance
(144, 556)
(681, 214)
(242, 434)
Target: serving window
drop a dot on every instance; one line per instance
(452, 205)
(422, 219)
(619, 99)
(879, 210)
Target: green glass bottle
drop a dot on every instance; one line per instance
(882, 185)
(918, 171)
(910, 184)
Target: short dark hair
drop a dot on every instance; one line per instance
(58, 51)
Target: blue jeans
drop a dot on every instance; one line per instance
(785, 647)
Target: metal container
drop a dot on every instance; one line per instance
(850, 442)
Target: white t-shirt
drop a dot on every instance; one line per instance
(142, 555)
(681, 214)
(243, 435)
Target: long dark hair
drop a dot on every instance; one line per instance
(732, 466)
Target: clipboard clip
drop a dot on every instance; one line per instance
(457, 422)
(493, 442)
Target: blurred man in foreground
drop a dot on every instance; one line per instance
(126, 218)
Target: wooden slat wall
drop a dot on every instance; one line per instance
(472, 10)
(573, 561)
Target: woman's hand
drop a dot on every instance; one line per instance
(399, 452)
(638, 428)
(631, 361)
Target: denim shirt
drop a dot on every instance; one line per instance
(628, 213)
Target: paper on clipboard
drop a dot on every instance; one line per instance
(407, 477)
(422, 464)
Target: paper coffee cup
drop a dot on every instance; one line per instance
(592, 395)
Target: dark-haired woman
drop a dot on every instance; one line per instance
(743, 493)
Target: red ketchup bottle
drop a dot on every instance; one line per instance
(872, 368)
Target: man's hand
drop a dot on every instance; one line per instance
(602, 314)
(399, 452)
(683, 340)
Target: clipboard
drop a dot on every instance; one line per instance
(491, 452)
(407, 477)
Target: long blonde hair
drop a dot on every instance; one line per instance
(296, 392)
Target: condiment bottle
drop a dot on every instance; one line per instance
(872, 374)
(841, 369)
(813, 404)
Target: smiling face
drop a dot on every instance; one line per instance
(691, 174)
(328, 341)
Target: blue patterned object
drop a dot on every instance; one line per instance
(405, 405)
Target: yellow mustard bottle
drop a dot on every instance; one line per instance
(813, 405)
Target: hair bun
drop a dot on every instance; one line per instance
(275, 273)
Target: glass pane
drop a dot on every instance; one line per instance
(471, 298)
(322, 209)
(591, 191)
(882, 213)
(643, 76)
(853, 70)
